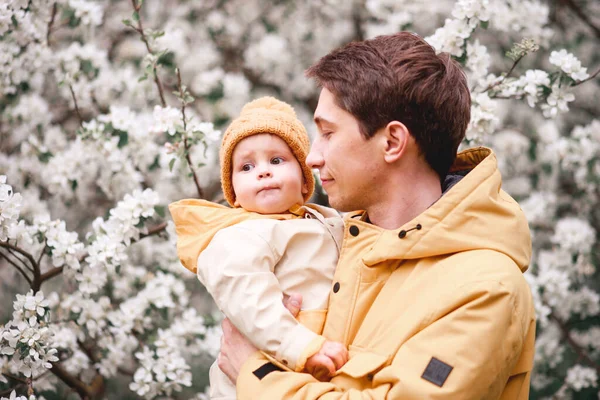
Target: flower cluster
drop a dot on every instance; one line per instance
(26, 338)
(111, 237)
(10, 205)
(483, 118)
(13, 396)
(569, 64)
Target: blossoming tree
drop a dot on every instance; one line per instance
(113, 109)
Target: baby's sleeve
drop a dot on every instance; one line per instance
(237, 268)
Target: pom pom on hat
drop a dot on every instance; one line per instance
(265, 115)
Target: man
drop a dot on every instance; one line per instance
(428, 293)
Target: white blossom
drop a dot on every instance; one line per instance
(557, 101)
(569, 64)
(28, 330)
(574, 235)
(10, 205)
(478, 60)
(483, 117)
(533, 82)
(166, 119)
(579, 377)
(451, 37)
(472, 10)
(90, 12)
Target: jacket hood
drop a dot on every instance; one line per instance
(197, 222)
(474, 214)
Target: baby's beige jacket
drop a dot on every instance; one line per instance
(247, 261)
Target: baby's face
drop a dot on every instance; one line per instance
(266, 176)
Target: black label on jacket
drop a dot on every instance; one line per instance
(437, 372)
(265, 370)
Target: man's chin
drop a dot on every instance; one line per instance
(340, 204)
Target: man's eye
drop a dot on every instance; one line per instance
(276, 160)
(246, 167)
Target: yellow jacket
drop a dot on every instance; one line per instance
(437, 309)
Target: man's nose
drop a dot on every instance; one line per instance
(314, 159)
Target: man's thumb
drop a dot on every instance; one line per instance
(293, 303)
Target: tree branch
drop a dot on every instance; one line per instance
(51, 274)
(155, 230)
(20, 251)
(582, 15)
(14, 378)
(186, 145)
(357, 21)
(567, 336)
(88, 352)
(85, 391)
(39, 260)
(510, 71)
(589, 78)
(35, 285)
(76, 106)
(18, 257)
(27, 278)
(9, 390)
(50, 23)
(140, 30)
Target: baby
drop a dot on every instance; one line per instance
(271, 243)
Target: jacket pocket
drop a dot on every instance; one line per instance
(313, 320)
(362, 362)
(360, 369)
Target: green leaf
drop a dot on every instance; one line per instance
(155, 164)
(74, 185)
(160, 210)
(142, 78)
(167, 59)
(136, 16)
(484, 24)
(44, 157)
(126, 22)
(200, 165)
(171, 163)
(123, 139)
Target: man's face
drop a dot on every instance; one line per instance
(266, 176)
(348, 164)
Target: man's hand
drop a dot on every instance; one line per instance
(329, 359)
(236, 349)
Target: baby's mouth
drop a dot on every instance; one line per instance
(267, 188)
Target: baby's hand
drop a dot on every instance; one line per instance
(323, 364)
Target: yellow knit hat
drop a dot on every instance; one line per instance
(265, 115)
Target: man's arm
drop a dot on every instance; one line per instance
(476, 346)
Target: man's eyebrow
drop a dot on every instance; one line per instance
(320, 121)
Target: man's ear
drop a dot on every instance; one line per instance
(304, 187)
(236, 203)
(397, 137)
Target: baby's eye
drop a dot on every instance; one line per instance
(246, 167)
(276, 160)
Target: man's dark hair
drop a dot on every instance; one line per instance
(400, 77)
